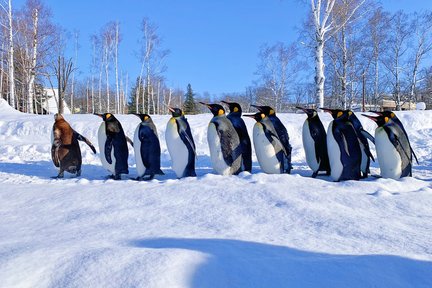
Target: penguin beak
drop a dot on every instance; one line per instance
(100, 115)
(376, 112)
(373, 118)
(208, 105)
(171, 109)
(258, 107)
(327, 110)
(301, 108)
(225, 102)
(249, 115)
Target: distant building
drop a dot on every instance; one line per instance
(49, 99)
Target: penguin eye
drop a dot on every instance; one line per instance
(386, 119)
(339, 114)
(236, 109)
(221, 112)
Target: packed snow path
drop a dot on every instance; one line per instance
(251, 230)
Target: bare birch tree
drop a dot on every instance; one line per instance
(7, 8)
(324, 26)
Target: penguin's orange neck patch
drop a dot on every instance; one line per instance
(339, 114)
(236, 109)
(221, 112)
(271, 112)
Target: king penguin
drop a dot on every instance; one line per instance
(65, 149)
(268, 147)
(113, 148)
(180, 143)
(239, 125)
(393, 151)
(315, 142)
(224, 143)
(282, 134)
(393, 118)
(363, 137)
(343, 147)
(147, 149)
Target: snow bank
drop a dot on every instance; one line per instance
(251, 230)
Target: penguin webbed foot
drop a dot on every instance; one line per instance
(145, 178)
(59, 176)
(78, 173)
(114, 177)
(314, 174)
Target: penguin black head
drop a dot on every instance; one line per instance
(106, 116)
(176, 112)
(388, 114)
(58, 116)
(309, 112)
(336, 113)
(143, 117)
(216, 109)
(234, 107)
(380, 119)
(267, 110)
(257, 116)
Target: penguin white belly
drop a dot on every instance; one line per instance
(265, 151)
(217, 159)
(177, 149)
(388, 157)
(137, 149)
(309, 147)
(334, 154)
(101, 140)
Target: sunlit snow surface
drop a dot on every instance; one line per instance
(250, 230)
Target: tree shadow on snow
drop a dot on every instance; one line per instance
(233, 263)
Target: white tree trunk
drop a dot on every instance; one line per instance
(319, 73)
(1, 69)
(33, 63)
(116, 68)
(106, 57)
(11, 59)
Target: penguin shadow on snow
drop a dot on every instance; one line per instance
(235, 263)
(46, 170)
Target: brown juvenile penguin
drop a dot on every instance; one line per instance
(65, 149)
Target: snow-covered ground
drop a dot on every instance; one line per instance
(251, 230)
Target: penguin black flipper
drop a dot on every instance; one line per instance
(368, 136)
(150, 151)
(54, 155)
(186, 135)
(108, 148)
(273, 138)
(318, 134)
(245, 142)
(230, 154)
(129, 141)
(405, 155)
(85, 140)
(350, 152)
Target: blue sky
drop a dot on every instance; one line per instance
(213, 44)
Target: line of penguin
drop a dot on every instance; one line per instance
(343, 152)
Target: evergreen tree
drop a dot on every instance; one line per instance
(136, 91)
(189, 106)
